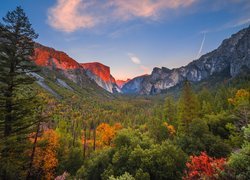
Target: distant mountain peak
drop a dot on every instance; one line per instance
(98, 69)
(100, 73)
(230, 57)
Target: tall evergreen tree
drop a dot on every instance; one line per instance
(16, 99)
(170, 110)
(16, 47)
(188, 107)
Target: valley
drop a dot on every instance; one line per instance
(61, 118)
(227, 59)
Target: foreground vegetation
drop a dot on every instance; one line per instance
(202, 134)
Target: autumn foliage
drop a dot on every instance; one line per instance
(170, 128)
(45, 160)
(105, 134)
(241, 96)
(204, 167)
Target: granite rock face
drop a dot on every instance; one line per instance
(46, 56)
(233, 54)
(101, 75)
(76, 72)
(134, 86)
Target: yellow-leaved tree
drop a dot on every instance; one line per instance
(45, 157)
(241, 104)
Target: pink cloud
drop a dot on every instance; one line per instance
(145, 8)
(71, 15)
(68, 16)
(145, 69)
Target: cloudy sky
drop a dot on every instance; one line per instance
(133, 36)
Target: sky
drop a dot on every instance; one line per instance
(134, 36)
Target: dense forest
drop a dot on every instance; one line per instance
(199, 131)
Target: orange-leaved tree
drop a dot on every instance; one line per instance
(170, 128)
(106, 133)
(241, 103)
(99, 137)
(45, 157)
(204, 167)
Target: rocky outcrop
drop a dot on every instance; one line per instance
(41, 81)
(231, 56)
(134, 86)
(101, 75)
(49, 57)
(241, 56)
(78, 73)
(60, 62)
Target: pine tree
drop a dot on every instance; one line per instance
(170, 110)
(16, 99)
(188, 107)
(16, 47)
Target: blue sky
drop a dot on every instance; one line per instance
(133, 36)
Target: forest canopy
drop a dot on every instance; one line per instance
(197, 132)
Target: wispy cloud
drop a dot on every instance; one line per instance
(229, 25)
(121, 31)
(134, 58)
(71, 15)
(240, 22)
(145, 8)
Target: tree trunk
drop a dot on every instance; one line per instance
(85, 142)
(8, 107)
(73, 132)
(94, 133)
(33, 153)
(8, 116)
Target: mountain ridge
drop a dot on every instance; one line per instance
(58, 60)
(233, 53)
(100, 73)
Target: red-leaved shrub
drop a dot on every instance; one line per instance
(204, 167)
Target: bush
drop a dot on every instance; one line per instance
(204, 167)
